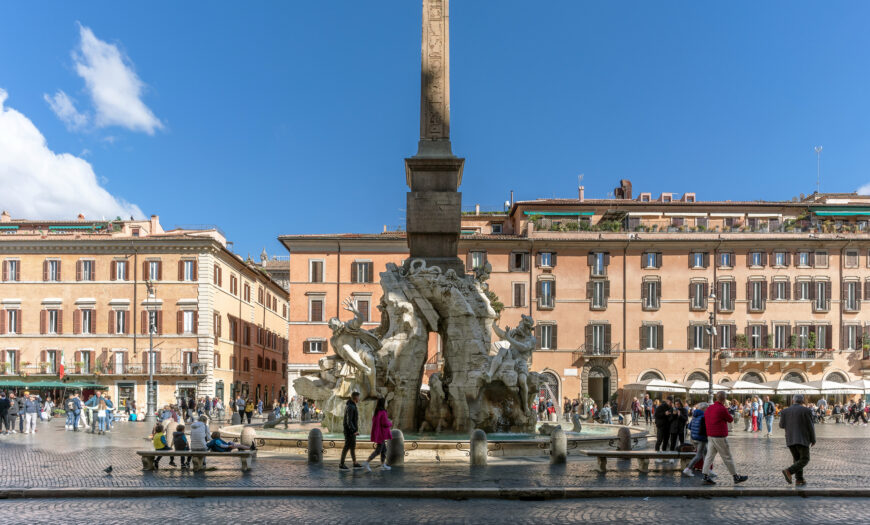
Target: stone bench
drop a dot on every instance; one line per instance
(197, 457)
(642, 457)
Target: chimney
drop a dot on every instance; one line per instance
(80, 217)
(580, 193)
(5, 217)
(477, 209)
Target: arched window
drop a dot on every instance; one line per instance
(836, 377)
(725, 380)
(651, 375)
(550, 387)
(753, 377)
(794, 377)
(697, 376)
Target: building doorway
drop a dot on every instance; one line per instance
(126, 394)
(186, 391)
(599, 385)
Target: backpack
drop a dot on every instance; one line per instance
(70, 406)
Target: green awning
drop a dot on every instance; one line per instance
(50, 384)
(8, 227)
(11, 382)
(842, 213)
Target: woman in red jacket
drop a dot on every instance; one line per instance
(380, 434)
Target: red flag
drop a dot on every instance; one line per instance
(60, 370)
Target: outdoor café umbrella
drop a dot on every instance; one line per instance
(703, 387)
(833, 388)
(656, 385)
(745, 387)
(863, 384)
(789, 387)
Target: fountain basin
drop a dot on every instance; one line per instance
(437, 447)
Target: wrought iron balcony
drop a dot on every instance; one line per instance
(131, 369)
(586, 352)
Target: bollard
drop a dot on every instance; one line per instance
(623, 439)
(315, 447)
(478, 448)
(558, 447)
(248, 435)
(396, 450)
(236, 419)
(575, 420)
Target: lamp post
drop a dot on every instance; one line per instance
(712, 331)
(151, 395)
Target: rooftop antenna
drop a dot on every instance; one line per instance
(818, 150)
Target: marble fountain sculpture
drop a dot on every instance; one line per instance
(484, 384)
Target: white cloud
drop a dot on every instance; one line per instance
(38, 183)
(66, 111)
(114, 87)
(864, 190)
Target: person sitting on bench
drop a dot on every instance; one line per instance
(219, 445)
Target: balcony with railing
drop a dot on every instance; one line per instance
(132, 369)
(768, 356)
(589, 351)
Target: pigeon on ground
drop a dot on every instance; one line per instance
(108, 470)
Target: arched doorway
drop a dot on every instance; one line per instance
(599, 385)
(753, 377)
(598, 380)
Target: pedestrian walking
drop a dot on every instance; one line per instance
(381, 434)
(800, 435)
(351, 431)
(747, 415)
(698, 432)
(249, 410)
(31, 412)
(716, 419)
(12, 416)
(768, 409)
(22, 411)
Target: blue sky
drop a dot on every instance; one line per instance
(294, 117)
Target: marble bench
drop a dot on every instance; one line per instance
(642, 457)
(245, 456)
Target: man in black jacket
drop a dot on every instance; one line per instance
(800, 435)
(351, 431)
(4, 413)
(663, 416)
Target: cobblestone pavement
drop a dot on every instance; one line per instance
(383, 511)
(56, 458)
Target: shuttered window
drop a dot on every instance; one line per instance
(315, 311)
(519, 294)
(315, 271)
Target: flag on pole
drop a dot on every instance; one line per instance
(60, 370)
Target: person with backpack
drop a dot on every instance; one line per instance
(768, 409)
(69, 407)
(249, 410)
(698, 432)
(179, 442)
(380, 435)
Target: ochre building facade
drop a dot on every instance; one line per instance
(623, 289)
(77, 292)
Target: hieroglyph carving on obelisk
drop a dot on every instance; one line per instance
(435, 97)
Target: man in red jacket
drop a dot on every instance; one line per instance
(716, 418)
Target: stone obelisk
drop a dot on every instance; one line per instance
(434, 204)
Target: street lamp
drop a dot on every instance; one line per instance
(151, 395)
(711, 330)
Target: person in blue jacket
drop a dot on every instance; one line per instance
(698, 429)
(94, 402)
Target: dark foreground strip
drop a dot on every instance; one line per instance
(539, 493)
